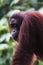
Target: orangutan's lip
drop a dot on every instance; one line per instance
(14, 34)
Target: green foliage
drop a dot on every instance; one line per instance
(7, 7)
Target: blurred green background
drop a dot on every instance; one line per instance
(7, 7)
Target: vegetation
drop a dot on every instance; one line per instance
(6, 8)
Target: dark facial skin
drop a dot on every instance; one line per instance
(14, 24)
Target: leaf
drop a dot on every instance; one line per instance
(14, 2)
(5, 37)
(3, 28)
(2, 60)
(3, 21)
(41, 10)
(2, 38)
(4, 46)
(8, 35)
(40, 62)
